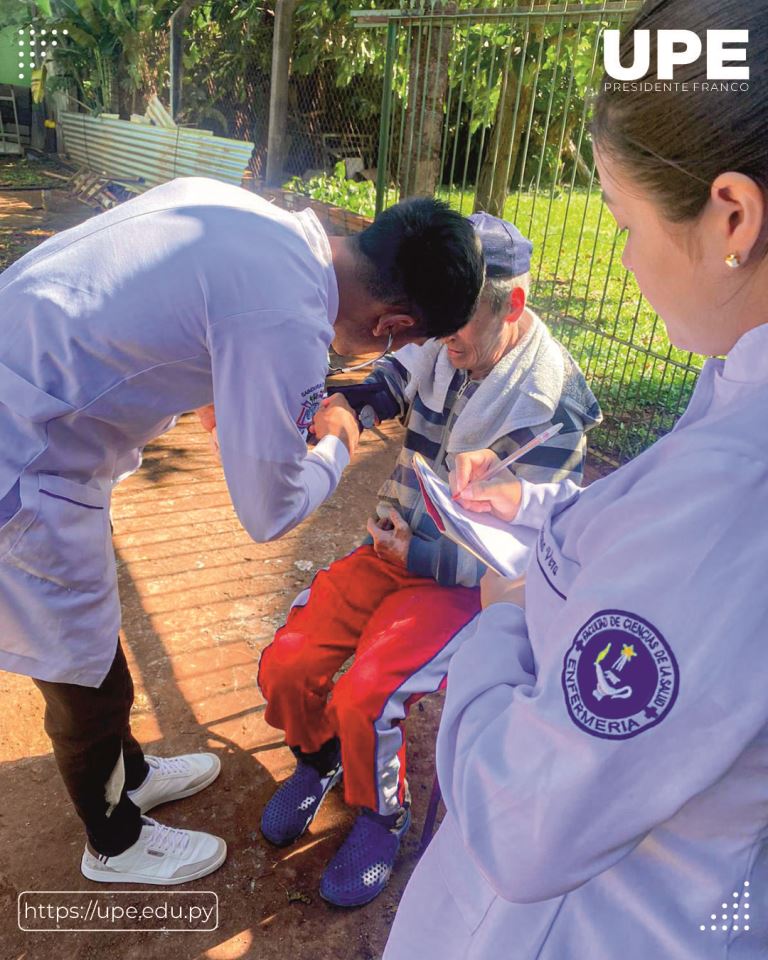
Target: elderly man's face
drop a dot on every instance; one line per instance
(480, 344)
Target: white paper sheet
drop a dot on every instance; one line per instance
(489, 539)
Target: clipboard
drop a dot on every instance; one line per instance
(488, 539)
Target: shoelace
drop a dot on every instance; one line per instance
(171, 765)
(167, 839)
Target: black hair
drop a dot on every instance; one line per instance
(675, 141)
(426, 260)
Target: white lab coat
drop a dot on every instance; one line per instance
(604, 753)
(195, 292)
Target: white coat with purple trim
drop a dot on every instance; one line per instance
(195, 292)
(604, 754)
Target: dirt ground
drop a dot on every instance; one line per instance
(200, 602)
(34, 205)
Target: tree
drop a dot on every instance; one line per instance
(425, 113)
(106, 51)
(16, 13)
(505, 140)
(544, 126)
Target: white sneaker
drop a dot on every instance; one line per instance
(171, 778)
(162, 855)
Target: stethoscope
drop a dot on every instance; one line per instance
(332, 371)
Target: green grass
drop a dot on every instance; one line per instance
(16, 172)
(592, 305)
(595, 307)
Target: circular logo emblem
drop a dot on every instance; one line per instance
(619, 676)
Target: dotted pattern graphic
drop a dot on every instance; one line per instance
(733, 922)
(33, 45)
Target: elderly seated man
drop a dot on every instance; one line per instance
(398, 602)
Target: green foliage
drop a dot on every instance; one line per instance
(325, 34)
(227, 57)
(17, 13)
(554, 61)
(104, 54)
(337, 191)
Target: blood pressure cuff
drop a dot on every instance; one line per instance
(375, 395)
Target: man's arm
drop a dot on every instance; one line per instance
(268, 379)
(393, 375)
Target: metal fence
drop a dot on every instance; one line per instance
(486, 108)
(332, 115)
(490, 110)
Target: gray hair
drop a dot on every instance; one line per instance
(497, 290)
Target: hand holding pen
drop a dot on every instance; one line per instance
(481, 482)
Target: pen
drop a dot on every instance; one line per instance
(526, 447)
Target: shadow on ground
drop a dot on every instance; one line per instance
(200, 601)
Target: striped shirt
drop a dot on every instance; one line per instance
(428, 432)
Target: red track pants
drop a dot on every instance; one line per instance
(403, 630)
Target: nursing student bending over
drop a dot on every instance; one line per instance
(603, 753)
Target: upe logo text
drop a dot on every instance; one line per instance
(677, 48)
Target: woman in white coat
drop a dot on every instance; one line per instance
(603, 753)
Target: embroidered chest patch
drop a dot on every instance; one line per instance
(310, 404)
(620, 676)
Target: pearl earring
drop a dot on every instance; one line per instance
(733, 260)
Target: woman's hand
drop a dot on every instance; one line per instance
(496, 589)
(499, 497)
